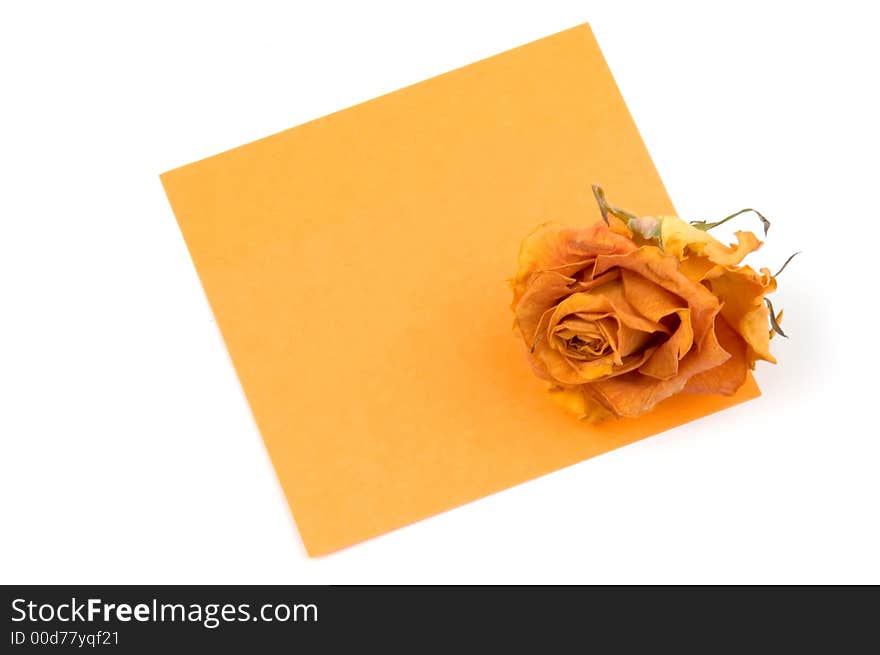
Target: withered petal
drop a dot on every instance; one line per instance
(664, 363)
(725, 378)
(742, 291)
(679, 237)
(564, 249)
(633, 394)
(544, 292)
(648, 298)
(662, 270)
(628, 314)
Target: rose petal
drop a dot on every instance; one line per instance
(662, 270)
(580, 303)
(678, 237)
(628, 314)
(696, 267)
(663, 364)
(589, 283)
(651, 300)
(630, 340)
(742, 292)
(563, 249)
(633, 394)
(545, 290)
(729, 376)
(568, 371)
(576, 402)
(550, 364)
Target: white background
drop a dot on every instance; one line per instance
(129, 454)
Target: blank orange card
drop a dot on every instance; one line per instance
(356, 267)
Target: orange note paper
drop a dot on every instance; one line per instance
(356, 266)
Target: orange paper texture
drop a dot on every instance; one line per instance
(356, 267)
